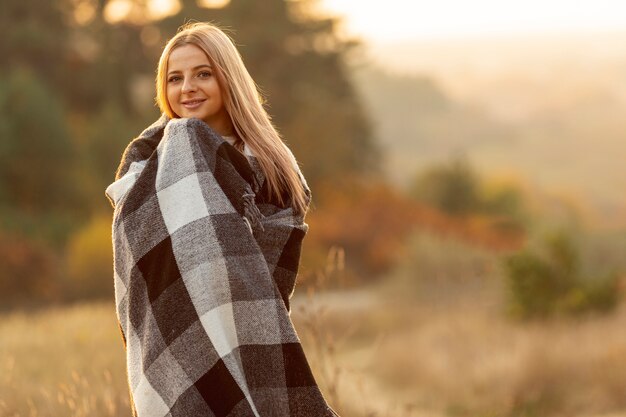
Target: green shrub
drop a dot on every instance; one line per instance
(457, 189)
(548, 281)
(453, 188)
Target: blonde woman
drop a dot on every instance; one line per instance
(209, 207)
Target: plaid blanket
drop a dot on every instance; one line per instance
(204, 269)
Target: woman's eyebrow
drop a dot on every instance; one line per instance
(194, 68)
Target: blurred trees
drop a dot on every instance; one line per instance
(456, 189)
(89, 261)
(369, 221)
(28, 272)
(95, 67)
(453, 188)
(547, 280)
(78, 84)
(36, 155)
(34, 36)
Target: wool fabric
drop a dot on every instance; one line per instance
(204, 267)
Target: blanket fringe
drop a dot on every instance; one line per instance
(251, 211)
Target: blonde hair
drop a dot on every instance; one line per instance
(244, 104)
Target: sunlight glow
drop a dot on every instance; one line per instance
(160, 9)
(394, 20)
(117, 10)
(84, 13)
(214, 4)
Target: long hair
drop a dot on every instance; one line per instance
(244, 104)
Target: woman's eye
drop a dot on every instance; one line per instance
(173, 79)
(204, 74)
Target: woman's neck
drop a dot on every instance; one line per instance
(222, 124)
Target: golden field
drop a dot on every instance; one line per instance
(429, 341)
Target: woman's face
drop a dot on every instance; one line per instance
(192, 89)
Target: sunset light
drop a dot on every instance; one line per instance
(313, 208)
(397, 20)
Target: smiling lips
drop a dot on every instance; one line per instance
(192, 104)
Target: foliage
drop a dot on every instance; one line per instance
(456, 189)
(34, 35)
(453, 189)
(367, 224)
(89, 261)
(27, 272)
(547, 281)
(36, 156)
(50, 228)
(104, 136)
(79, 86)
(368, 221)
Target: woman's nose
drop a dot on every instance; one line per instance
(188, 85)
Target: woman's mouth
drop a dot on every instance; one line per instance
(192, 104)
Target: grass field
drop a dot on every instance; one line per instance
(438, 348)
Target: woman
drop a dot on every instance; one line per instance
(209, 208)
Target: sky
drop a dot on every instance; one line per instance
(401, 20)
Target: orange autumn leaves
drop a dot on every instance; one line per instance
(372, 221)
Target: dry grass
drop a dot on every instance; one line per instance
(470, 361)
(464, 359)
(435, 341)
(409, 347)
(62, 362)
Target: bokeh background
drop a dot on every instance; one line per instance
(467, 241)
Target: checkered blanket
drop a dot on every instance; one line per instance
(204, 269)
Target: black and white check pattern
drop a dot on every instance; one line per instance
(204, 269)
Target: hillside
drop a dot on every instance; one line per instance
(547, 111)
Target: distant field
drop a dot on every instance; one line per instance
(430, 342)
